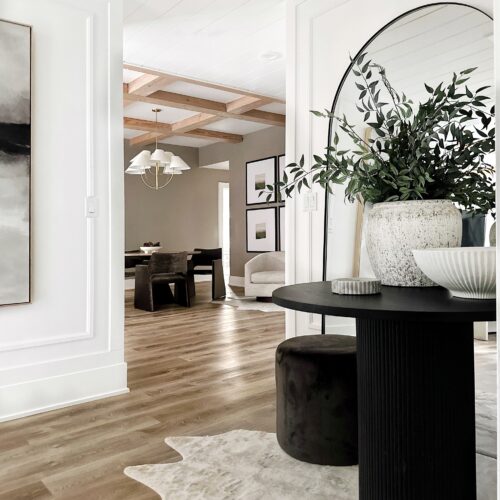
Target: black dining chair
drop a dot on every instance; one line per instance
(208, 261)
(152, 281)
(202, 262)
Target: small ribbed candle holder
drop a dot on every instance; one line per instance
(356, 286)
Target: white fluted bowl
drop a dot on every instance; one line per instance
(467, 272)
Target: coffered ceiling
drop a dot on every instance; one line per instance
(216, 68)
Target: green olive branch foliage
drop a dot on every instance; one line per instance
(434, 150)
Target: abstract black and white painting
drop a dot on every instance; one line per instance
(261, 229)
(15, 162)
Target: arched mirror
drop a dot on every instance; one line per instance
(424, 46)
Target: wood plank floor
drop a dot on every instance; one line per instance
(197, 371)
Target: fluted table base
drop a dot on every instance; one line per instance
(416, 410)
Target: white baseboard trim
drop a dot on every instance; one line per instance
(341, 330)
(334, 325)
(481, 331)
(129, 283)
(52, 393)
(236, 280)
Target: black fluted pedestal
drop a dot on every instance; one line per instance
(416, 410)
(416, 407)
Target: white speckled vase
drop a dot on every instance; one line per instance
(396, 228)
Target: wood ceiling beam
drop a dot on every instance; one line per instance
(203, 133)
(202, 83)
(193, 122)
(265, 117)
(125, 92)
(244, 104)
(240, 108)
(147, 84)
(146, 89)
(144, 139)
(147, 125)
(180, 101)
(178, 128)
(165, 129)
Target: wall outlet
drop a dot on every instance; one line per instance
(310, 201)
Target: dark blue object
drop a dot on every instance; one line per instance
(473, 230)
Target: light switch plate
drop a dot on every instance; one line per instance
(310, 201)
(330, 224)
(92, 206)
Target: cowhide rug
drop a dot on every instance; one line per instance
(250, 465)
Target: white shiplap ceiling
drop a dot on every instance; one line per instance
(218, 41)
(428, 46)
(213, 40)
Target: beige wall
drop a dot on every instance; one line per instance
(261, 144)
(181, 216)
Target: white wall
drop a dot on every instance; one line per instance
(320, 36)
(496, 14)
(67, 345)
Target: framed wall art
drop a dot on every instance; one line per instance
(259, 174)
(15, 162)
(261, 229)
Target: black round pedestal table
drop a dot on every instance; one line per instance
(415, 386)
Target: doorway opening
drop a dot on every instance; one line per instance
(224, 226)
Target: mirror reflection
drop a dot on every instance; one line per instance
(426, 46)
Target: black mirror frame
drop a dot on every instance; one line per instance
(336, 98)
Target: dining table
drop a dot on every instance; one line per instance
(138, 256)
(148, 255)
(218, 282)
(415, 379)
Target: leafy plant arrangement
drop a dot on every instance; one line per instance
(433, 150)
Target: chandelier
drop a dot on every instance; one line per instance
(156, 169)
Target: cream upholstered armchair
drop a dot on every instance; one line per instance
(264, 273)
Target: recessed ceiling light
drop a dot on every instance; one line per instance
(271, 55)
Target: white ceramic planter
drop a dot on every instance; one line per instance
(394, 229)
